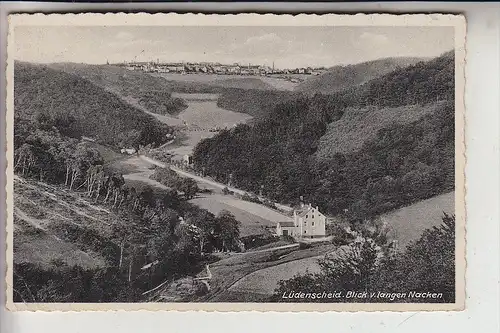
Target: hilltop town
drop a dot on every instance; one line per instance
(220, 69)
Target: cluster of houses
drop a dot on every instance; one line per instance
(217, 68)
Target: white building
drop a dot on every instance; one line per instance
(308, 222)
(129, 151)
(187, 159)
(286, 228)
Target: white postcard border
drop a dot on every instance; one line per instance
(172, 19)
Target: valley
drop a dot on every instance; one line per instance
(344, 141)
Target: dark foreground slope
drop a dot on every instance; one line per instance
(78, 107)
(342, 77)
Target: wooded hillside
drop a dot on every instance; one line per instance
(342, 77)
(78, 107)
(403, 163)
(151, 92)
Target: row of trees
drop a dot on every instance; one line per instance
(169, 178)
(370, 264)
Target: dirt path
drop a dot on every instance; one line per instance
(289, 246)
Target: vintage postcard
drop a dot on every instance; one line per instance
(236, 162)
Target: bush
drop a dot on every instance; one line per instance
(303, 246)
(254, 241)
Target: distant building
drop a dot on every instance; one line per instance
(308, 222)
(129, 151)
(188, 159)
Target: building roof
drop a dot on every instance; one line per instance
(302, 211)
(286, 224)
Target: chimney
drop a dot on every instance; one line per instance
(301, 201)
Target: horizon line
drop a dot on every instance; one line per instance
(215, 62)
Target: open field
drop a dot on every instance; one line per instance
(254, 218)
(209, 183)
(206, 115)
(274, 82)
(223, 81)
(187, 142)
(196, 97)
(235, 269)
(196, 121)
(409, 222)
(266, 280)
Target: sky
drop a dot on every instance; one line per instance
(287, 47)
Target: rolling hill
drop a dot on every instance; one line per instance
(114, 78)
(341, 77)
(146, 91)
(152, 93)
(78, 107)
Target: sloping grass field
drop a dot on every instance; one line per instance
(408, 223)
(266, 280)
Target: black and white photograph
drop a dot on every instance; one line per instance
(162, 162)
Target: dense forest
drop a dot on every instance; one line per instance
(369, 264)
(254, 102)
(162, 102)
(420, 83)
(151, 92)
(339, 78)
(403, 164)
(155, 226)
(77, 107)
